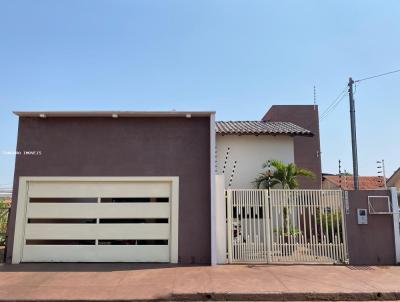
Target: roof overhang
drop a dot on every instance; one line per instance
(114, 114)
(260, 128)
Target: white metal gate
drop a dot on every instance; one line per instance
(286, 226)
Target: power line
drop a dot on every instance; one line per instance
(334, 104)
(342, 94)
(378, 75)
(333, 107)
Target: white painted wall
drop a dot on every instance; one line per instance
(220, 221)
(250, 152)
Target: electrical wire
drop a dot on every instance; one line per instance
(334, 104)
(378, 75)
(333, 107)
(342, 94)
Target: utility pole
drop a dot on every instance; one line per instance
(353, 134)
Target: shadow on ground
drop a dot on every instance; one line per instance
(86, 267)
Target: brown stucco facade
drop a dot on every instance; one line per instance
(126, 146)
(372, 243)
(307, 152)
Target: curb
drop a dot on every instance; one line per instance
(372, 296)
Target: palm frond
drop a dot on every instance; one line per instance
(283, 174)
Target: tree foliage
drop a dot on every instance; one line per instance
(281, 174)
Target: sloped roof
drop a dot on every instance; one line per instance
(392, 179)
(260, 128)
(364, 182)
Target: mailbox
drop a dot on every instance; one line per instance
(362, 216)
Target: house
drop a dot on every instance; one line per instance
(5, 195)
(140, 186)
(394, 180)
(346, 182)
(286, 133)
(113, 187)
(244, 146)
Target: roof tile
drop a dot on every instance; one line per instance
(364, 182)
(260, 128)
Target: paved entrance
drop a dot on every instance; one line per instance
(108, 282)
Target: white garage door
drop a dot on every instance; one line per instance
(89, 220)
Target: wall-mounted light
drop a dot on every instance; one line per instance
(188, 115)
(42, 115)
(114, 115)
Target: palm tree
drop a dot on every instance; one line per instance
(281, 174)
(284, 175)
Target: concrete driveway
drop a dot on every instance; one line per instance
(108, 282)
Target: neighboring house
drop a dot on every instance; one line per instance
(5, 195)
(287, 133)
(346, 182)
(394, 180)
(244, 146)
(113, 187)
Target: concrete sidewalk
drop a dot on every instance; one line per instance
(112, 282)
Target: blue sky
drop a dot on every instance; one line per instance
(235, 57)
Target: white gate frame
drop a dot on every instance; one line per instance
(254, 244)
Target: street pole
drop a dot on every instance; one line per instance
(353, 134)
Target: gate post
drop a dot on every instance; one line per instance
(229, 223)
(396, 221)
(220, 221)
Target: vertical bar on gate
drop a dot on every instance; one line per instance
(267, 224)
(242, 228)
(288, 222)
(326, 226)
(338, 212)
(248, 217)
(245, 229)
(303, 214)
(257, 207)
(295, 236)
(321, 225)
(256, 234)
(240, 242)
(274, 225)
(304, 227)
(309, 202)
(282, 208)
(253, 212)
(287, 199)
(299, 231)
(236, 206)
(230, 229)
(252, 235)
(236, 240)
(332, 226)
(316, 210)
(251, 240)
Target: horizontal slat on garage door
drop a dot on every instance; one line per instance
(75, 189)
(100, 253)
(98, 210)
(97, 231)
